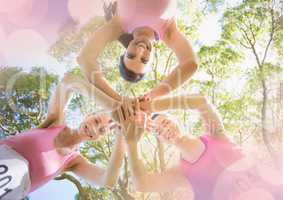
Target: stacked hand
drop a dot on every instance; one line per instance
(133, 120)
(144, 102)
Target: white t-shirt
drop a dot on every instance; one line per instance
(14, 174)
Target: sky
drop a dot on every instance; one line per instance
(29, 27)
(55, 190)
(27, 30)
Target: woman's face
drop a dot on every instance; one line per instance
(95, 126)
(166, 129)
(138, 55)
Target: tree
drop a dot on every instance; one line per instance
(253, 26)
(23, 98)
(241, 74)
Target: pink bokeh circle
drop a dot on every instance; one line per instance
(256, 193)
(83, 10)
(271, 175)
(31, 14)
(2, 61)
(2, 37)
(7, 6)
(25, 47)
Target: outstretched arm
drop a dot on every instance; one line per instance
(133, 123)
(186, 67)
(211, 118)
(64, 90)
(144, 181)
(89, 54)
(209, 114)
(99, 176)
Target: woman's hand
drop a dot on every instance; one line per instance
(132, 119)
(144, 102)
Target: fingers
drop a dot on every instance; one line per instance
(144, 102)
(123, 112)
(139, 120)
(132, 117)
(121, 115)
(128, 108)
(131, 108)
(137, 105)
(145, 97)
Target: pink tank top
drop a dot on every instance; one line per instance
(37, 147)
(155, 14)
(204, 173)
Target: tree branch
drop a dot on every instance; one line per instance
(167, 63)
(271, 36)
(73, 180)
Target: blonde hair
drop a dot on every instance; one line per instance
(171, 118)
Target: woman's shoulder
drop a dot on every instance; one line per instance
(77, 160)
(217, 139)
(58, 128)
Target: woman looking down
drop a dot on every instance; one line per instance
(138, 24)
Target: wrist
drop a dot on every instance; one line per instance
(153, 94)
(131, 143)
(116, 96)
(161, 90)
(156, 92)
(52, 115)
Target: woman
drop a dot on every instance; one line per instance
(211, 166)
(31, 159)
(146, 21)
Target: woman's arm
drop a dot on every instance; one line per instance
(166, 181)
(99, 176)
(186, 67)
(89, 54)
(209, 114)
(211, 118)
(64, 90)
(57, 103)
(133, 123)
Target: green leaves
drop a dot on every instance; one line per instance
(230, 74)
(23, 98)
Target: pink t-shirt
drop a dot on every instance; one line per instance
(203, 174)
(37, 147)
(155, 14)
(224, 173)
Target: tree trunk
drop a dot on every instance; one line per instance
(265, 136)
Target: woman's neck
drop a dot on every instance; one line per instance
(190, 147)
(68, 138)
(144, 32)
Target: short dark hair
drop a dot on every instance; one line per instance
(154, 116)
(128, 74)
(124, 39)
